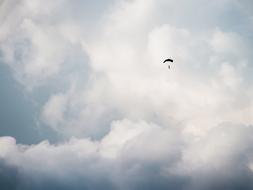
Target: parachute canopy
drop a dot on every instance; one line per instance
(167, 60)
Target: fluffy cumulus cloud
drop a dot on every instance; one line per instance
(128, 121)
(133, 155)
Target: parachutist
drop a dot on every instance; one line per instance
(170, 60)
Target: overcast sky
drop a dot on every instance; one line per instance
(86, 103)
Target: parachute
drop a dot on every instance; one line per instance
(168, 60)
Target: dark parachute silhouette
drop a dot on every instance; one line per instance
(166, 60)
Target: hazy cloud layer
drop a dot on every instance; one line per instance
(130, 123)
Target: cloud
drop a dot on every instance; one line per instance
(128, 121)
(135, 155)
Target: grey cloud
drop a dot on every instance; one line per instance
(221, 159)
(8, 176)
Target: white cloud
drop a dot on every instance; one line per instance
(54, 110)
(127, 78)
(130, 112)
(136, 151)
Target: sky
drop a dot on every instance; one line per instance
(86, 102)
